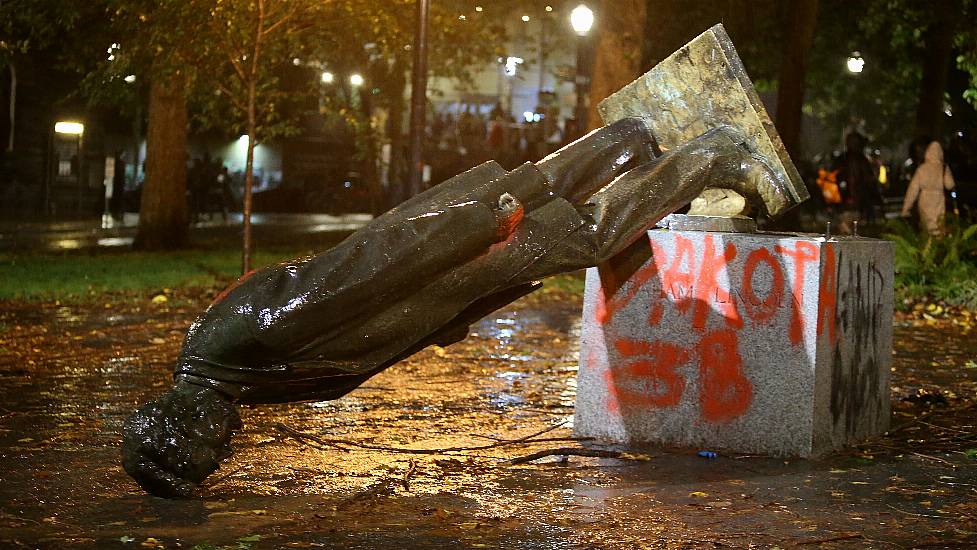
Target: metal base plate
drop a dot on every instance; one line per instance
(722, 224)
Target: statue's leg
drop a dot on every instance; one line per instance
(583, 167)
(633, 202)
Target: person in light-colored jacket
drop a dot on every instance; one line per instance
(931, 179)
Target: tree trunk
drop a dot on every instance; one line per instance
(371, 176)
(619, 29)
(13, 107)
(248, 200)
(398, 176)
(799, 36)
(249, 170)
(251, 83)
(163, 208)
(936, 64)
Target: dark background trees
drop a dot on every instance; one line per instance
(920, 67)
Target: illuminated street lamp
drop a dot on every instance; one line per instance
(328, 77)
(582, 20)
(356, 79)
(855, 63)
(72, 128)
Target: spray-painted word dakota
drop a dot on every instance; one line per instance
(717, 295)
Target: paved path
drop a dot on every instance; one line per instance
(107, 233)
(71, 374)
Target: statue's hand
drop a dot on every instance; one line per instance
(171, 444)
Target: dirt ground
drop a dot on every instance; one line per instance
(70, 374)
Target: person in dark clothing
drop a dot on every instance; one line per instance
(317, 328)
(859, 186)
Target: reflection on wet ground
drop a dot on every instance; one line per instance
(71, 373)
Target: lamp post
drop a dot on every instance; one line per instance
(418, 99)
(581, 19)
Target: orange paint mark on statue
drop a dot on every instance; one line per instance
(678, 280)
(762, 310)
(724, 392)
(707, 290)
(828, 294)
(649, 378)
(803, 252)
(240, 280)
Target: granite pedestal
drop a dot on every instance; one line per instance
(752, 343)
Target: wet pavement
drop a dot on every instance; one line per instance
(70, 374)
(107, 233)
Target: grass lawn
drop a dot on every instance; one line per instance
(76, 276)
(82, 276)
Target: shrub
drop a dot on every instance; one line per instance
(935, 269)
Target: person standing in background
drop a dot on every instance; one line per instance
(931, 179)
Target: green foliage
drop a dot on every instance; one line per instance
(904, 25)
(80, 277)
(936, 268)
(30, 24)
(884, 94)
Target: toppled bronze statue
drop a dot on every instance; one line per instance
(317, 328)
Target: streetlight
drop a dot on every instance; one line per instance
(71, 128)
(68, 130)
(581, 19)
(356, 79)
(328, 77)
(855, 62)
(418, 98)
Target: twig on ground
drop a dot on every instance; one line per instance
(338, 443)
(222, 478)
(309, 437)
(901, 511)
(567, 451)
(410, 472)
(540, 440)
(944, 411)
(937, 459)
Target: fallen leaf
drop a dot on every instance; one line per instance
(698, 494)
(634, 456)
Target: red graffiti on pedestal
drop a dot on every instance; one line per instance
(649, 375)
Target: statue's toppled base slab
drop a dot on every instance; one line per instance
(754, 343)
